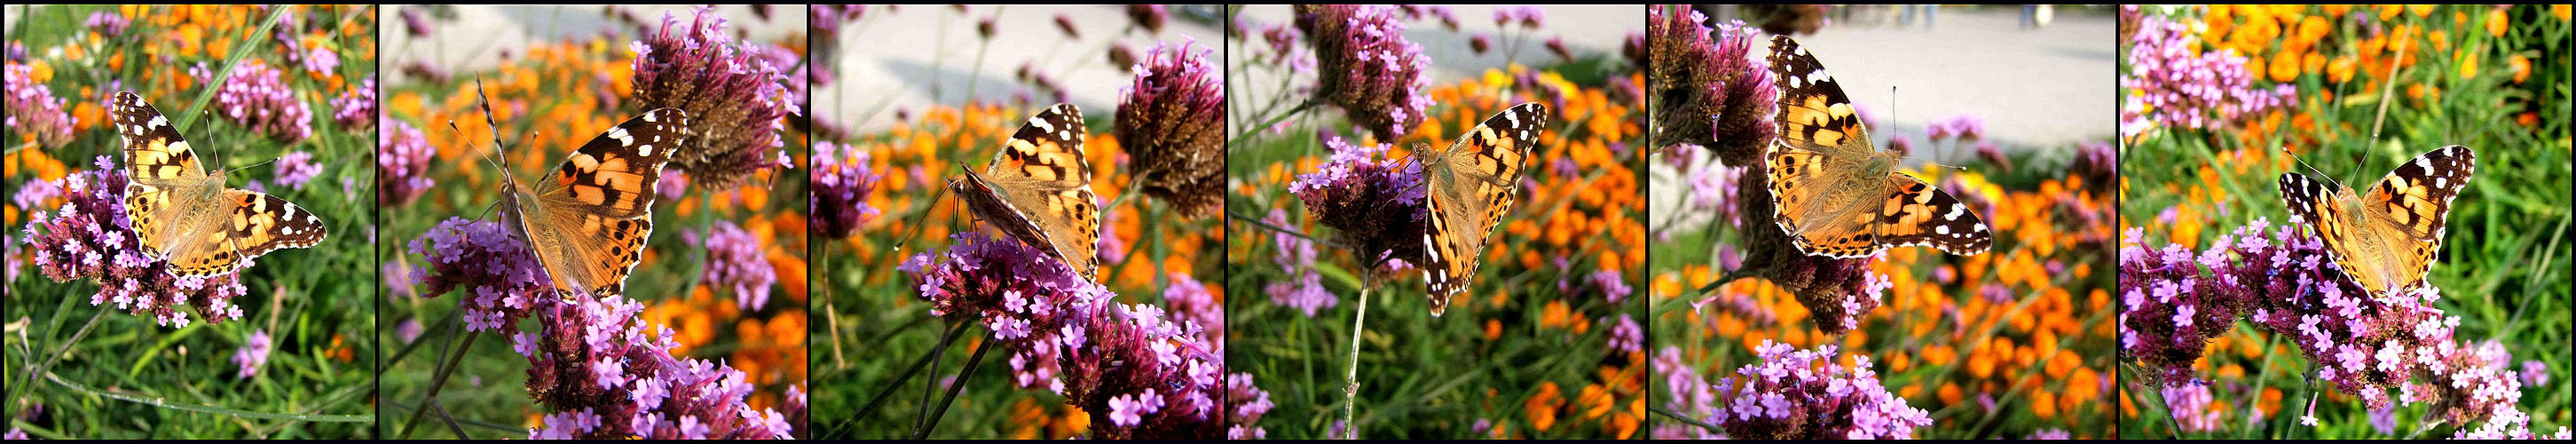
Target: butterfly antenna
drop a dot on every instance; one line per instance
(924, 219)
(2285, 149)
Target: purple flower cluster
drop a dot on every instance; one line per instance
(2170, 82)
(500, 280)
(355, 110)
(1304, 288)
(1685, 393)
(843, 178)
(1627, 336)
(735, 262)
(1376, 210)
(736, 97)
(107, 23)
(89, 237)
(1613, 284)
(402, 162)
(1801, 394)
(2283, 281)
(33, 109)
(2188, 401)
(1245, 405)
(602, 370)
(1368, 68)
(1154, 375)
(416, 23)
(608, 374)
(1696, 72)
(2509, 424)
(256, 96)
(1148, 16)
(253, 354)
(1171, 120)
(296, 168)
(1528, 16)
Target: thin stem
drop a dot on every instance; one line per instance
(1351, 374)
(881, 396)
(957, 385)
(438, 380)
(1274, 120)
(1686, 419)
(1282, 230)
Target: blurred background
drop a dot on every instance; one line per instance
(1547, 342)
(2012, 343)
(2354, 91)
(724, 267)
(906, 97)
(284, 95)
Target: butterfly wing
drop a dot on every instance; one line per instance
(2314, 202)
(595, 212)
(1038, 190)
(1472, 184)
(2415, 202)
(165, 176)
(1814, 113)
(1917, 213)
(257, 224)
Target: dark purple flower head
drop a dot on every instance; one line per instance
(498, 279)
(402, 163)
(2098, 163)
(257, 96)
(1801, 394)
(253, 354)
(844, 177)
(1375, 209)
(90, 237)
(1148, 16)
(984, 27)
(1701, 74)
(415, 22)
(1480, 43)
(735, 262)
(1065, 23)
(736, 97)
(1556, 45)
(33, 109)
(1528, 16)
(1171, 120)
(1367, 67)
(1154, 374)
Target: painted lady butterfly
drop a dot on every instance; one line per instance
(588, 225)
(1473, 183)
(186, 215)
(1038, 189)
(1836, 194)
(2386, 240)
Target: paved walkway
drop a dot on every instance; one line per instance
(923, 55)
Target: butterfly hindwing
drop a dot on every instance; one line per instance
(1917, 213)
(1471, 185)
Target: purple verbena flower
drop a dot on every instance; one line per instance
(253, 354)
(1800, 394)
(735, 96)
(257, 96)
(1370, 70)
(89, 237)
(403, 155)
(1171, 120)
(355, 110)
(33, 109)
(844, 177)
(735, 262)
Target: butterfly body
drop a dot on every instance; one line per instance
(1834, 192)
(1472, 184)
(587, 222)
(186, 215)
(1037, 189)
(2388, 238)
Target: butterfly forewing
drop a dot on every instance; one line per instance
(1038, 190)
(186, 215)
(589, 220)
(1833, 192)
(1472, 184)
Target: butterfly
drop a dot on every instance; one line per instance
(1472, 183)
(2388, 239)
(1835, 193)
(587, 226)
(187, 216)
(1038, 189)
